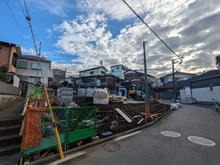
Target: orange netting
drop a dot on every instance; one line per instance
(31, 134)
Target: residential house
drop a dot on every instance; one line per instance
(118, 70)
(59, 75)
(9, 54)
(168, 84)
(101, 70)
(93, 72)
(34, 69)
(202, 88)
(135, 78)
(71, 81)
(96, 77)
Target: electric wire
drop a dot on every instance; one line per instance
(155, 22)
(152, 30)
(25, 17)
(21, 8)
(15, 18)
(28, 18)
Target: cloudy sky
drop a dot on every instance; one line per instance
(77, 34)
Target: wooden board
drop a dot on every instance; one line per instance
(123, 115)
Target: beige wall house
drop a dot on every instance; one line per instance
(9, 54)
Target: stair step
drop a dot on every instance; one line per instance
(11, 122)
(10, 139)
(6, 130)
(10, 149)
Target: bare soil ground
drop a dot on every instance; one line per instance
(110, 120)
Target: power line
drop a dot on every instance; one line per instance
(14, 18)
(28, 18)
(25, 16)
(152, 31)
(21, 8)
(154, 21)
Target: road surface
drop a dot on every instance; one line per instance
(156, 145)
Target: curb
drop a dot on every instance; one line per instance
(55, 157)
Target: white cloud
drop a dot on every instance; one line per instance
(190, 28)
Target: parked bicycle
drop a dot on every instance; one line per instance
(216, 105)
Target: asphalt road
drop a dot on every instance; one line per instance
(150, 147)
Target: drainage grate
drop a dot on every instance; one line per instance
(170, 134)
(111, 147)
(201, 141)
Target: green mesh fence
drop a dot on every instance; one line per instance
(73, 124)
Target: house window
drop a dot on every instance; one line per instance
(211, 87)
(22, 64)
(34, 79)
(34, 65)
(117, 67)
(103, 80)
(102, 72)
(88, 80)
(112, 71)
(25, 78)
(91, 73)
(14, 60)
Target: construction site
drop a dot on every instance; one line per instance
(54, 124)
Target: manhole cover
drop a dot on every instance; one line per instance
(111, 147)
(202, 141)
(170, 134)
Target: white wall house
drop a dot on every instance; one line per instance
(101, 70)
(118, 70)
(167, 83)
(202, 88)
(27, 68)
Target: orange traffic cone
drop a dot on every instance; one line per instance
(148, 115)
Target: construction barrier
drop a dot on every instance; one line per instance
(73, 124)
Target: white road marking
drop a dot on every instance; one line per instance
(69, 157)
(170, 133)
(128, 135)
(201, 141)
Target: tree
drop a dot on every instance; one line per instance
(55, 85)
(3, 73)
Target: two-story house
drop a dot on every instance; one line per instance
(118, 70)
(96, 77)
(167, 84)
(9, 54)
(59, 75)
(34, 69)
(101, 70)
(135, 78)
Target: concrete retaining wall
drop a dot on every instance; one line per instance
(9, 89)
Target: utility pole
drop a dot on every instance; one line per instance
(145, 73)
(38, 61)
(147, 106)
(174, 83)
